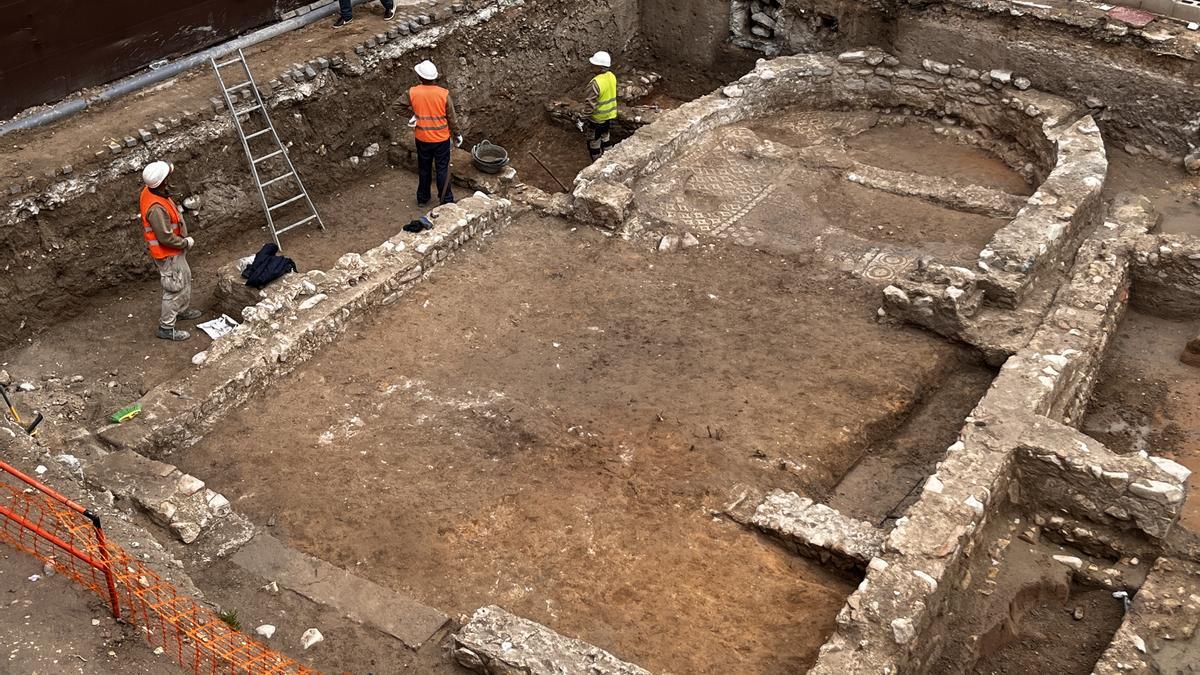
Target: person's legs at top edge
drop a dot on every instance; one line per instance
(389, 9)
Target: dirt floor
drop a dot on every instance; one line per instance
(547, 423)
(116, 329)
(1023, 612)
(1146, 398)
(775, 183)
(48, 625)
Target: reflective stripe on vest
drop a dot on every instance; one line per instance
(429, 106)
(606, 104)
(158, 251)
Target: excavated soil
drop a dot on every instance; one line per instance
(115, 330)
(1146, 398)
(1023, 612)
(549, 423)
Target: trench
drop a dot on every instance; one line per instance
(1145, 396)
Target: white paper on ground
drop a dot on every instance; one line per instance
(218, 327)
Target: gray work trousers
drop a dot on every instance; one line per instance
(177, 288)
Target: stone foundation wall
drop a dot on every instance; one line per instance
(1138, 81)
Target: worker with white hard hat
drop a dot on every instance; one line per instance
(601, 105)
(434, 124)
(167, 240)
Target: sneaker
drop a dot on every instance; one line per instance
(190, 314)
(341, 22)
(172, 334)
(389, 14)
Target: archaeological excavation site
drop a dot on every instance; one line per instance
(615, 337)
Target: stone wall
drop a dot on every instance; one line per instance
(1067, 153)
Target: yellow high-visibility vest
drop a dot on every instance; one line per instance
(606, 105)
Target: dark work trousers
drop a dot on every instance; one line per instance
(600, 139)
(345, 7)
(430, 155)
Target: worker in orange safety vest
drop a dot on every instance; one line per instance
(167, 240)
(434, 124)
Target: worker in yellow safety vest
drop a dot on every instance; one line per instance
(167, 241)
(601, 105)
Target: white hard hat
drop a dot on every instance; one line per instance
(601, 59)
(426, 70)
(155, 173)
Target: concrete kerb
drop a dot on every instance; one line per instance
(298, 316)
(495, 641)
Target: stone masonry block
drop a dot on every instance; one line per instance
(495, 641)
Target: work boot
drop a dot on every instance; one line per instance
(172, 334)
(190, 314)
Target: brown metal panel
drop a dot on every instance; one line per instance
(51, 48)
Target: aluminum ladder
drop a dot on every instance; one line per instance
(275, 150)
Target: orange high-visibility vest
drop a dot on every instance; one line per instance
(157, 250)
(429, 105)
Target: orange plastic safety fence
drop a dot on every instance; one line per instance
(67, 540)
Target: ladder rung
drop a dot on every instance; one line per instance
(279, 178)
(239, 86)
(266, 157)
(288, 201)
(296, 224)
(247, 111)
(259, 133)
(230, 62)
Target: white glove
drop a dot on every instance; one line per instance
(579, 125)
(412, 121)
(190, 242)
(458, 141)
